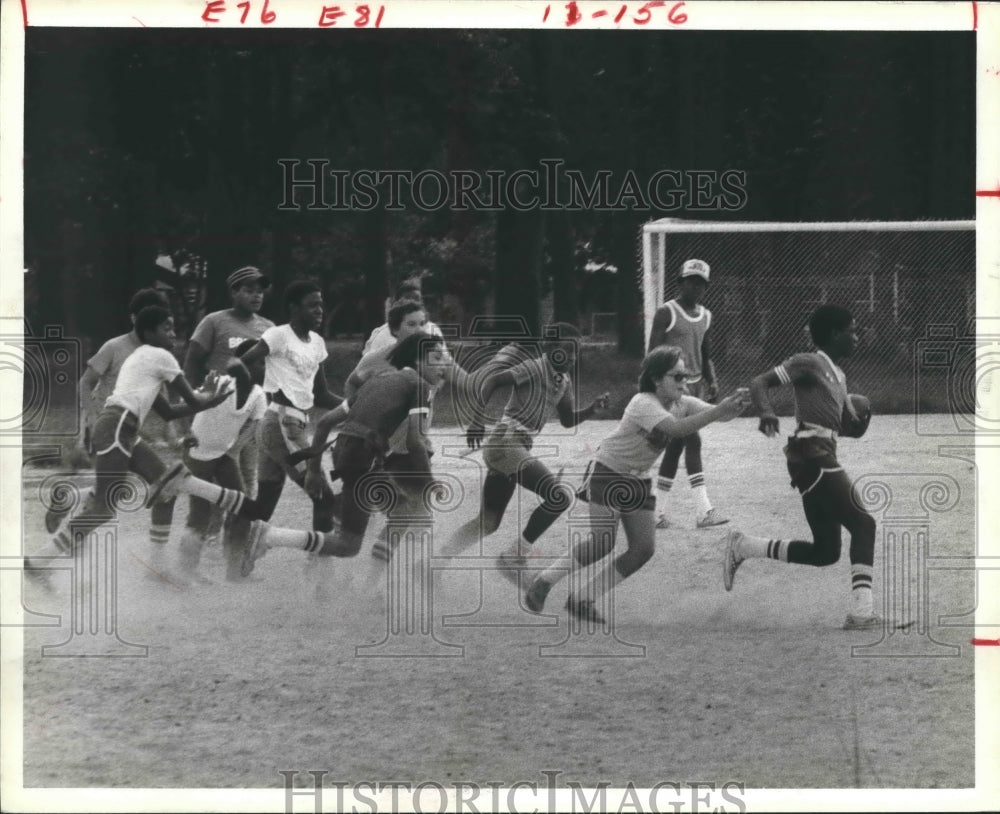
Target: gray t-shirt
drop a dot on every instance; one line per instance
(221, 332)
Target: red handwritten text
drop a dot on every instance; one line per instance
(642, 16)
(363, 14)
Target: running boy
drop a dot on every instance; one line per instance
(294, 382)
(684, 322)
(537, 387)
(225, 437)
(822, 410)
(117, 445)
(96, 384)
(618, 486)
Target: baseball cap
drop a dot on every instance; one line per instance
(695, 268)
(247, 274)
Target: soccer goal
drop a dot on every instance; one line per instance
(900, 279)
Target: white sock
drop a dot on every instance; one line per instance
(276, 537)
(663, 486)
(861, 590)
(228, 500)
(762, 548)
(701, 494)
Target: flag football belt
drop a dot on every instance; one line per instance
(814, 431)
(284, 409)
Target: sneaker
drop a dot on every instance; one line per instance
(584, 609)
(713, 518)
(255, 547)
(859, 622)
(534, 597)
(731, 560)
(510, 565)
(662, 522)
(168, 485)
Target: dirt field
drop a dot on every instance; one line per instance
(759, 686)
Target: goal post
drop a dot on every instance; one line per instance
(899, 278)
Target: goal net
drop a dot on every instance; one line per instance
(903, 281)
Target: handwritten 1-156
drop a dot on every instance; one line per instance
(363, 15)
(642, 16)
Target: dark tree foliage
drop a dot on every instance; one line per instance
(144, 141)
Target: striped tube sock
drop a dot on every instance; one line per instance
(763, 548)
(861, 589)
(229, 500)
(310, 541)
(159, 535)
(663, 487)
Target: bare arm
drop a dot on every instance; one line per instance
(759, 388)
(194, 363)
(193, 402)
(707, 368)
(474, 435)
(321, 393)
(416, 439)
(325, 425)
(569, 416)
(258, 351)
(88, 384)
(725, 410)
(661, 321)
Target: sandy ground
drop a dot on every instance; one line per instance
(760, 686)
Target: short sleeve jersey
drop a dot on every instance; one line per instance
(217, 429)
(385, 402)
(820, 388)
(108, 361)
(538, 388)
(381, 338)
(688, 333)
(637, 442)
(292, 364)
(221, 332)
(145, 371)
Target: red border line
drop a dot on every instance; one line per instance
(988, 193)
(975, 16)
(986, 642)
(24, 12)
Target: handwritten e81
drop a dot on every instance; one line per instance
(363, 14)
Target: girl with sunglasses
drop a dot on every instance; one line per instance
(619, 486)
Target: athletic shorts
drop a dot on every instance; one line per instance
(620, 492)
(283, 430)
(118, 447)
(808, 459)
(506, 449)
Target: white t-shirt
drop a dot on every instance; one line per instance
(218, 429)
(382, 338)
(636, 444)
(143, 373)
(292, 364)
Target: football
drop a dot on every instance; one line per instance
(851, 427)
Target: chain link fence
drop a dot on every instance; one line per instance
(907, 284)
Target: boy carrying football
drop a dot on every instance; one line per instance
(823, 409)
